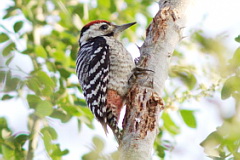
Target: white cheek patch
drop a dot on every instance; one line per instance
(84, 37)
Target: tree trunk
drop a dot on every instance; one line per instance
(144, 102)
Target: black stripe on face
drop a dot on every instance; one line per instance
(110, 34)
(84, 29)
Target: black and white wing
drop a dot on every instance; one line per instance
(93, 74)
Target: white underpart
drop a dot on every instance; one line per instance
(121, 65)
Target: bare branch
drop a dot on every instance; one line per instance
(144, 103)
(34, 138)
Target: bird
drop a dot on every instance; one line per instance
(103, 68)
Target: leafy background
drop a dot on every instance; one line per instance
(39, 43)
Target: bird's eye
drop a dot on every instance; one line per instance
(104, 27)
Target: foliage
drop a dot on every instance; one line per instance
(224, 143)
(45, 33)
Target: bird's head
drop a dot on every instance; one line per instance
(101, 28)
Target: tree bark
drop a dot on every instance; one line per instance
(144, 102)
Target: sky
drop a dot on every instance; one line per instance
(216, 18)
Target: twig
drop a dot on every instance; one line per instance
(33, 138)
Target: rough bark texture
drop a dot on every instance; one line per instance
(144, 103)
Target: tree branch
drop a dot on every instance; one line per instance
(34, 137)
(144, 104)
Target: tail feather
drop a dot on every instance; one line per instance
(113, 124)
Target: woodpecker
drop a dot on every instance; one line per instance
(103, 68)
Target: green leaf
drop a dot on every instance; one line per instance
(47, 139)
(212, 140)
(206, 44)
(98, 142)
(235, 61)
(80, 102)
(11, 83)
(34, 85)
(86, 121)
(229, 131)
(185, 73)
(113, 7)
(237, 39)
(160, 151)
(33, 100)
(64, 73)
(91, 155)
(40, 51)
(7, 50)
(79, 125)
(72, 110)
(230, 87)
(44, 108)
(3, 124)
(62, 115)
(57, 153)
(60, 56)
(189, 118)
(21, 139)
(17, 26)
(3, 37)
(189, 79)
(211, 143)
(45, 80)
(8, 153)
(7, 97)
(9, 60)
(51, 132)
(177, 53)
(169, 124)
(103, 4)
(10, 12)
(41, 83)
(2, 76)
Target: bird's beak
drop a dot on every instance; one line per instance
(123, 27)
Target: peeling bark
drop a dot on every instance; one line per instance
(147, 104)
(144, 102)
